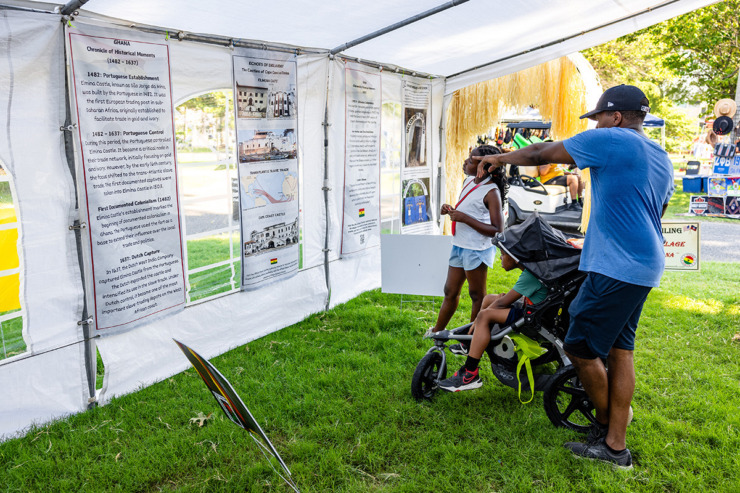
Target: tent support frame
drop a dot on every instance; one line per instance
(90, 347)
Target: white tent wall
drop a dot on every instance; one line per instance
(215, 326)
(48, 380)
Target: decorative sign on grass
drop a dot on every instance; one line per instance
(234, 408)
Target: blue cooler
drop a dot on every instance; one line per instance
(693, 184)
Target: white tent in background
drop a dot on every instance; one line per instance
(447, 46)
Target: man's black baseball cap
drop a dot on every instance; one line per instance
(621, 98)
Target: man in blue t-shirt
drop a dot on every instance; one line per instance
(631, 184)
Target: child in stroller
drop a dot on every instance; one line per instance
(500, 311)
(547, 255)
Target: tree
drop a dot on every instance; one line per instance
(637, 59)
(703, 49)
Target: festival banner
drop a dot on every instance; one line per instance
(267, 153)
(681, 245)
(416, 172)
(234, 408)
(361, 218)
(122, 98)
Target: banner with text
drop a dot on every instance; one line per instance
(123, 98)
(681, 245)
(267, 152)
(416, 172)
(362, 100)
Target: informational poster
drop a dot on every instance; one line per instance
(361, 219)
(681, 245)
(123, 97)
(416, 172)
(267, 152)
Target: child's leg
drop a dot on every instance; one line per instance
(477, 287)
(482, 330)
(453, 285)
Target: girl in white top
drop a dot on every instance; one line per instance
(476, 219)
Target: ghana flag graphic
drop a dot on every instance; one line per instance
(273, 261)
(361, 212)
(689, 259)
(234, 408)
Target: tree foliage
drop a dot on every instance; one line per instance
(703, 49)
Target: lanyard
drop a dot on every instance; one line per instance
(454, 223)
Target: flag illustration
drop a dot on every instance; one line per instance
(362, 212)
(273, 261)
(235, 410)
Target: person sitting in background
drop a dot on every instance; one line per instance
(553, 174)
(500, 309)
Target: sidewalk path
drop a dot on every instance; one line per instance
(720, 242)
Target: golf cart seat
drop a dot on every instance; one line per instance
(522, 173)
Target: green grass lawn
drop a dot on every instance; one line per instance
(333, 394)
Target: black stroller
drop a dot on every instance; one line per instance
(546, 254)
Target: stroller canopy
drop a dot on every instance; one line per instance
(539, 248)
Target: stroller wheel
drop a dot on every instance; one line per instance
(428, 372)
(566, 403)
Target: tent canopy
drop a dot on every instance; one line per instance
(469, 42)
(653, 121)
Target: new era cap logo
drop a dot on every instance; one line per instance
(609, 105)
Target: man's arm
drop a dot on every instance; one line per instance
(532, 155)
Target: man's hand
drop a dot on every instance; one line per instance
(486, 162)
(446, 208)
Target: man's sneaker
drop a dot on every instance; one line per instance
(428, 333)
(575, 206)
(599, 451)
(599, 431)
(461, 380)
(461, 349)
(596, 433)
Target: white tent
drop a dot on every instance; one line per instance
(464, 43)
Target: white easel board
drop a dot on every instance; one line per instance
(414, 264)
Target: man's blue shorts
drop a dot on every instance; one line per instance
(603, 315)
(467, 259)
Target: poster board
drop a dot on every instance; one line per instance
(122, 99)
(414, 264)
(267, 152)
(682, 246)
(416, 172)
(361, 205)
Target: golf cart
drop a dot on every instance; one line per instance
(527, 194)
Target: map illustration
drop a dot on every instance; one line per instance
(268, 188)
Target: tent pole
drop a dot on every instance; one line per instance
(397, 25)
(71, 6)
(90, 346)
(326, 188)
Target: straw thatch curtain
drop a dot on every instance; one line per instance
(555, 88)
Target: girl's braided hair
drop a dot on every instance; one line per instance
(498, 174)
